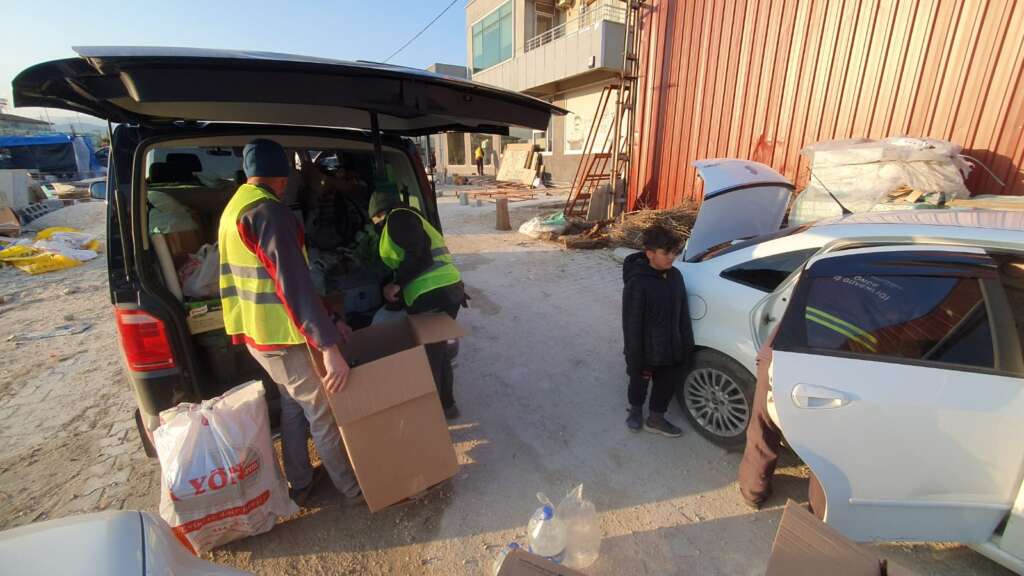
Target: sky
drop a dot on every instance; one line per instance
(35, 31)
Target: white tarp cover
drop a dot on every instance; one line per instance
(861, 173)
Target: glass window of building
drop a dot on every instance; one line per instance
(493, 38)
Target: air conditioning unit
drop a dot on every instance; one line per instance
(564, 4)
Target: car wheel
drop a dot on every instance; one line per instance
(717, 397)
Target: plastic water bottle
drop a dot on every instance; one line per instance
(582, 529)
(501, 557)
(547, 534)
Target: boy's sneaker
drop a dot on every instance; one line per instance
(635, 420)
(657, 424)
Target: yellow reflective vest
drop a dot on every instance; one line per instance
(440, 274)
(247, 291)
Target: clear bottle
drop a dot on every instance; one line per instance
(547, 534)
(582, 529)
(501, 557)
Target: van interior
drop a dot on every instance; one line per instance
(187, 184)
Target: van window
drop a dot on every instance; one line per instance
(767, 273)
(939, 319)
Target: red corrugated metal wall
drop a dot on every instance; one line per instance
(761, 79)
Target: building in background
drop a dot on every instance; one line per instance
(12, 125)
(762, 79)
(562, 51)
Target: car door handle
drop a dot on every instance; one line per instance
(811, 396)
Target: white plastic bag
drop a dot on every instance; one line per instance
(219, 476)
(861, 173)
(540, 225)
(204, 279)
(582, 529)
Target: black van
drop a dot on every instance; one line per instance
(180, 118)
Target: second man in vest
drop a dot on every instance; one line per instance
(425, 277)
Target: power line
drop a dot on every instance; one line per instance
(420, 33)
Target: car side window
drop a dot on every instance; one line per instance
(929, 318)
(1011, 275)
(767, 273)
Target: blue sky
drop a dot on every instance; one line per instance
(39, 30)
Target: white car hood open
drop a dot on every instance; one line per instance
(742, 199)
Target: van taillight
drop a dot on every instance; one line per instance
(144, 341)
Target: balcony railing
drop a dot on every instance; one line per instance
(613, 10)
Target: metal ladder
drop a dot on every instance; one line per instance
(609, 163)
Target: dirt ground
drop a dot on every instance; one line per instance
(541, 386)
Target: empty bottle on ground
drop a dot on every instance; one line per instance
(547, 533)
(582, 529)
(501, 557)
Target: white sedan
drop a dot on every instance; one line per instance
(739, 268)
(115, 543)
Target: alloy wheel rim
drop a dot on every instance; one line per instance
(717, 402)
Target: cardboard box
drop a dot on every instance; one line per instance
(9, 224)
(204, 316)
(389, 412)
(806, 545)
(522, 563)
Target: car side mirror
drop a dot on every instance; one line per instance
(98, 190)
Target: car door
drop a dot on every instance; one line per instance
(897, 377)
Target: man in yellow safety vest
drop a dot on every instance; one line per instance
(270, 305)
(425, 277)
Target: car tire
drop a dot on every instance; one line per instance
(717, 397)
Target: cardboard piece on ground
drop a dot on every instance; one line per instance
(9, 224)
(806, 545)
(522, 563)
(389, 412)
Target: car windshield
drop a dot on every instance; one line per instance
(728, 247)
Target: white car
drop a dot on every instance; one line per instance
(118, 543)
(739, 268)
(897, 371)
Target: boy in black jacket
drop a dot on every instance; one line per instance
(656, 329)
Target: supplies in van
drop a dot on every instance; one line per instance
(200, 276)
(219, 479)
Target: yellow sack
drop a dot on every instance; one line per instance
(41, 263)
(13, 252)
(45, 233)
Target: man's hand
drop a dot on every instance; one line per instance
(344, 330)
(390, 292)
(646, 374)
(337, 370)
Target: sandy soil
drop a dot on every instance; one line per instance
(541, 386)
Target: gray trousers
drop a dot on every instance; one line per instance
(303, 400)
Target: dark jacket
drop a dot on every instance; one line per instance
(655, 316)
(406, 230)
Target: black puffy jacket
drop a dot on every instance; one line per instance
(655, 316)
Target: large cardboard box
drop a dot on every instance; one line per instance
(389, 413)
(805, 545)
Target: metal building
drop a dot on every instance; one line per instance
(761, 79)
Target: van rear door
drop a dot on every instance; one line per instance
(159, 85)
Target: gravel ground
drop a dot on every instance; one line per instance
(541, 386)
